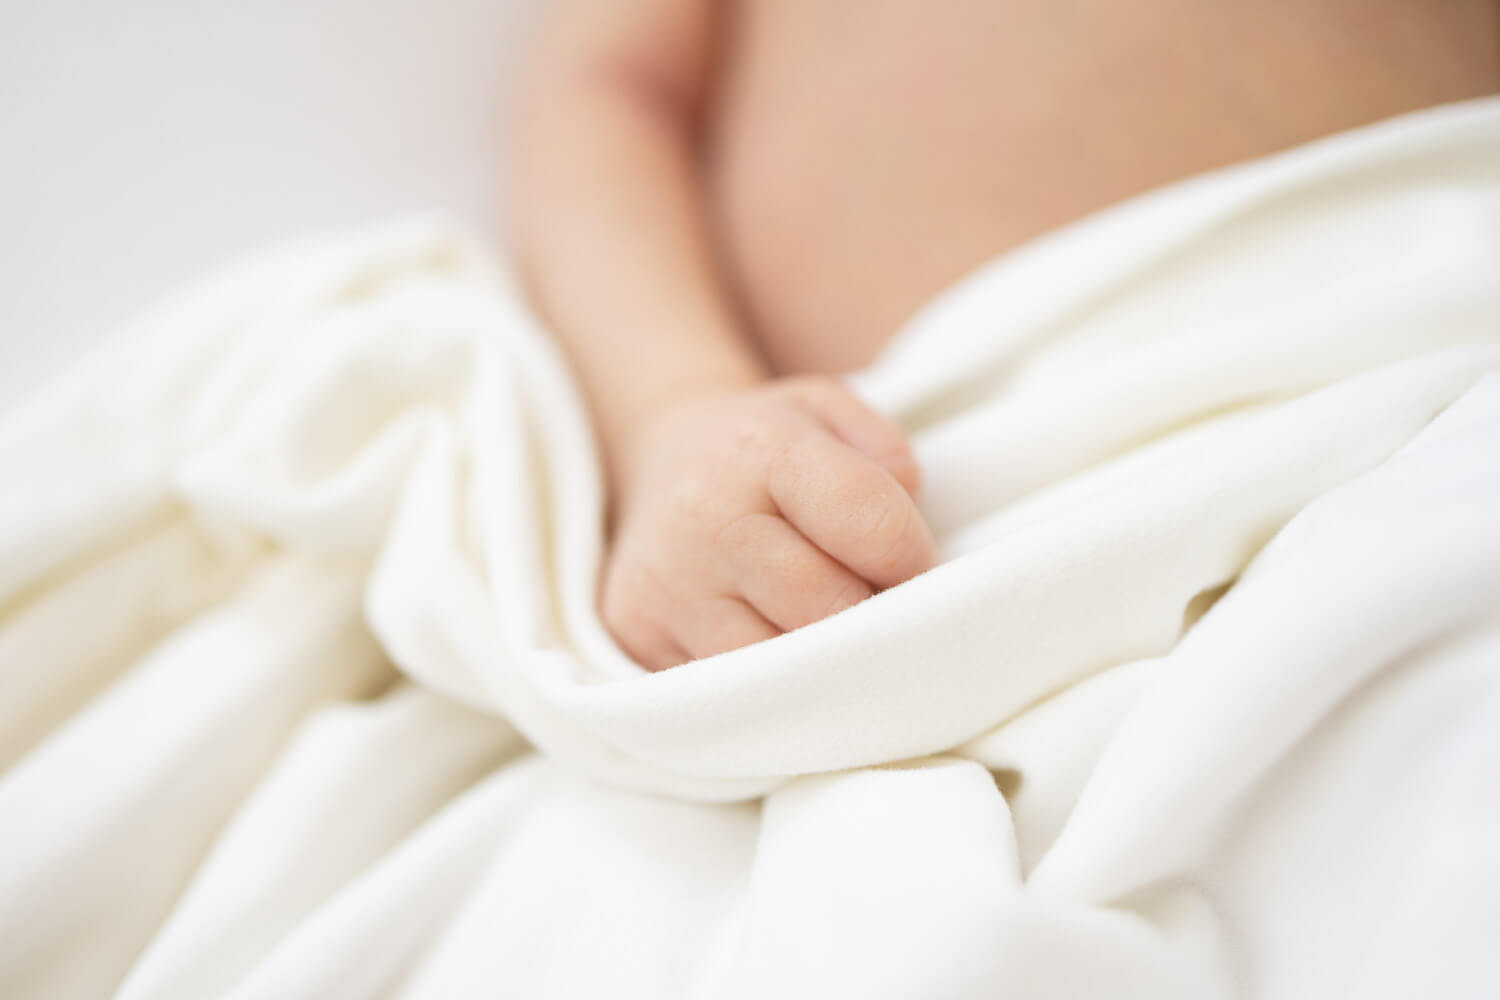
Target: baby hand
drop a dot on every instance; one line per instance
(743, 516)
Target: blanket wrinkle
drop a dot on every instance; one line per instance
(304, 692)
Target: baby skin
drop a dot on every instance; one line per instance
(719, 206)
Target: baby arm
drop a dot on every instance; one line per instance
(742, 507)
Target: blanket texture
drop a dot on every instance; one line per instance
(303, 691)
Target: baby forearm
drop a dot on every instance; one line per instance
(610, 234)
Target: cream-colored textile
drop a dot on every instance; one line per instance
(303, 692)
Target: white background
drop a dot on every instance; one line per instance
(145, 143)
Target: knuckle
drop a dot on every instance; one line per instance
(744, 532)
(849, 594)
(816, 384)
(887, 525)
(689, 492)
(628, 620)
(802, 577)
(753, 438)
(903, 465)
(630, 592)
(893, 445)
(788, 463)
(619, 611)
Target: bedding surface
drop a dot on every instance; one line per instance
(303, 692)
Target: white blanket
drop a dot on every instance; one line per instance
(303, 692)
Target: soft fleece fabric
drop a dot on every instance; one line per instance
(303, 692)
